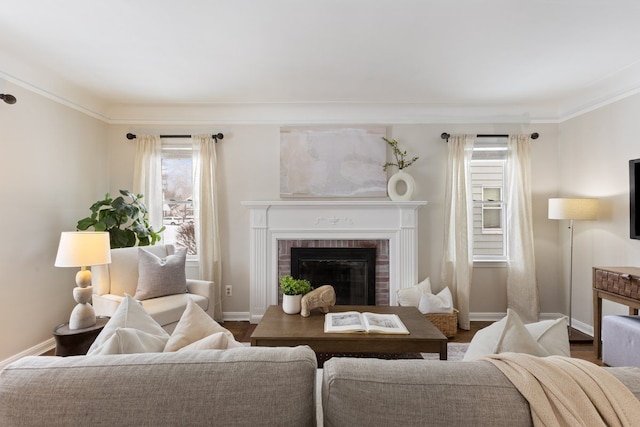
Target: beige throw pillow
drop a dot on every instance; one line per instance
(194, 325)
(158, 277)
(553, 335)
(410, 297)
(217, 341)
(130, 330)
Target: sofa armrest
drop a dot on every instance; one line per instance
(204, 288)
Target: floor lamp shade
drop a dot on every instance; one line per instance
(83, 249)
(577, 209)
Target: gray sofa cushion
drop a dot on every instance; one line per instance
(248, 386)
(371, 392)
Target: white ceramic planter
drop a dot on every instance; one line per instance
(409, 183)
(291, 304)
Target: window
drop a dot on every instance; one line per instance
(489, 207)
(491, 212)
(177, 196)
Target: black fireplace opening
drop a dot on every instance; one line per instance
(351, 272)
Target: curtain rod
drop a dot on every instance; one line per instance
(216, 137)
(446, 136)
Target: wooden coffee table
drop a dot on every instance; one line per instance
(277, 329)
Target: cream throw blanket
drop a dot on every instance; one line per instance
(563, 391)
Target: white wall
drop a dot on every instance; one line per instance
(595, 150)
(248, 159)
(52, 168)
(58, 161)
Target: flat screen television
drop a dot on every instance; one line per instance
(634, 198)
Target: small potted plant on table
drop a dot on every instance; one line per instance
(293, 290)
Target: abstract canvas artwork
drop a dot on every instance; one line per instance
(332, 161)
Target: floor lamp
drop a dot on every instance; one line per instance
(573, 210)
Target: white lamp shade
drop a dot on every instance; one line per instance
(577, 209)
(83, 249)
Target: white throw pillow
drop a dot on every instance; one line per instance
(217, 341)
(552, 334)
(506, 335)
(194, 325)
(128, 341)
(410, 297)
(441, 303)
(130, 330)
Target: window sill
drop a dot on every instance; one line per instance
(489, 263)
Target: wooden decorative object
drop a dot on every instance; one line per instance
(322, 297)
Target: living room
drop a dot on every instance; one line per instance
(65, 146)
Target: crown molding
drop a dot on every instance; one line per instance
(595, 95)
(322, 113)
(51, 87)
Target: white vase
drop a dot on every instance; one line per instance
(409, 186)
(291, 303)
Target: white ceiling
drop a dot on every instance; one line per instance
(554, 57)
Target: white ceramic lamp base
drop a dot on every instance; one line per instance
(83, 315)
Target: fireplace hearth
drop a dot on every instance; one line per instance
(351, 272)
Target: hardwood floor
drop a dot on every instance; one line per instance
(581, 349)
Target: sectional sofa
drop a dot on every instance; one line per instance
(255, 386)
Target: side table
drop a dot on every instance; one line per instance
(73, 342)
(617, 284)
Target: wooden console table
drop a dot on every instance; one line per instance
(617, 284)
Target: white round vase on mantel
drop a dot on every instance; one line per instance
(291, 304)
(407, 186)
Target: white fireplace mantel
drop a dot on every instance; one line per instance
(271, 221)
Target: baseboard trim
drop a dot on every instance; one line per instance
(36, 350)
(235, 316)
(486, 317)
(582, 327)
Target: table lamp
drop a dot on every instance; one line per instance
(573, 209)
(83, 249)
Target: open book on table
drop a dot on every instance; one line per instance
(374, 323)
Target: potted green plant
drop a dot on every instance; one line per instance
(401, 176)
(293, 290)
(126, 220)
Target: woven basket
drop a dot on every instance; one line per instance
(447, 323)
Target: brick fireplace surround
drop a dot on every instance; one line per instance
(273, 223)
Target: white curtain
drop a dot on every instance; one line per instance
(522, 285)
(457, 257)
(147, 176)
(205, 201)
